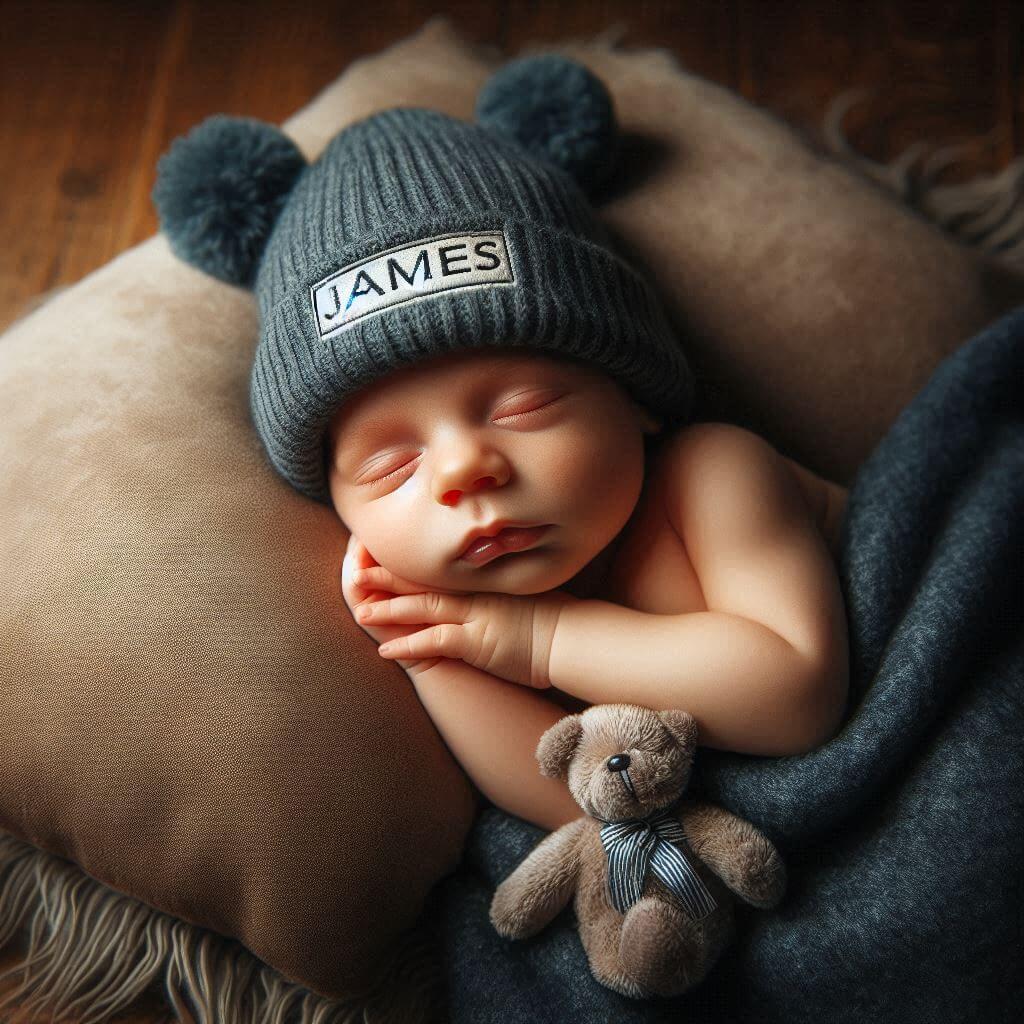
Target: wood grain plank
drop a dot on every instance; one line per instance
(700, 33)
(92, 93)
(1010, 42)
(267, 60)
(933, 70)
(73, 96)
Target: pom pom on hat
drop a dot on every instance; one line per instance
(219, 191)
(557, 110)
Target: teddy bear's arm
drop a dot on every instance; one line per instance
(532, 896)
(742, 856)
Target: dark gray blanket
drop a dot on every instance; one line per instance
(903, 836)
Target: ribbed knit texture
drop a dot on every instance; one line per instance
(409, 174)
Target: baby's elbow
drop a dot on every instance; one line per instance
(822, 704)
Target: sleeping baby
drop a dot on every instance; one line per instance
(513, 542)
(456, 359)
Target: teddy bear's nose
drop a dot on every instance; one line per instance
(618, 763)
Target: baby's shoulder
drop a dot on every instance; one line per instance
(701, 447)
(707, 457)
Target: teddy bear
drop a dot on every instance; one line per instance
(652, 868)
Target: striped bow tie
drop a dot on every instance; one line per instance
(638, 845)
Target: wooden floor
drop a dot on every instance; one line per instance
(91, 93)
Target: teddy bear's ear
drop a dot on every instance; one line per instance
(683, 727)
(557, 746)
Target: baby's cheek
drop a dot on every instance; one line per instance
(594, 466)
(411, 556)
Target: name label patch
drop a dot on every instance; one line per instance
(409, 273)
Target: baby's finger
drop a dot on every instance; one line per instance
(438, 641)
(378, 576)
(416, 608)
(353, 593)
(363, 557)
(355, 551)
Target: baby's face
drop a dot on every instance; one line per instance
(521, 436)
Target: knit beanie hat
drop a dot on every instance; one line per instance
(416, 234)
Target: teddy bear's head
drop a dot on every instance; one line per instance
(621, 760)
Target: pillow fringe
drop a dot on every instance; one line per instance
(986, 212)
(92, 952)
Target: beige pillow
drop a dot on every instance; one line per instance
(188, 712)
(812, 304)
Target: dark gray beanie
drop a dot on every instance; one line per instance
(416, 234)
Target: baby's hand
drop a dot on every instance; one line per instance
(508, 635)
(383, 585)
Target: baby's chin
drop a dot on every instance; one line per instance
(518, 572)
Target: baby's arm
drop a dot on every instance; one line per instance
(492, 727)
(765, 669)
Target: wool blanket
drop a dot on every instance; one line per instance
(904, 835)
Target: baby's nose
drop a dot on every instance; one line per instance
(451, 497)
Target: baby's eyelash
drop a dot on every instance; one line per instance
(539, 408)
(511, 416)
(387, 476)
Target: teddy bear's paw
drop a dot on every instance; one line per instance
(600, 937)
(624, 984)
(619, 980)
(765, 875)
(511, 914)
(661, 948)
